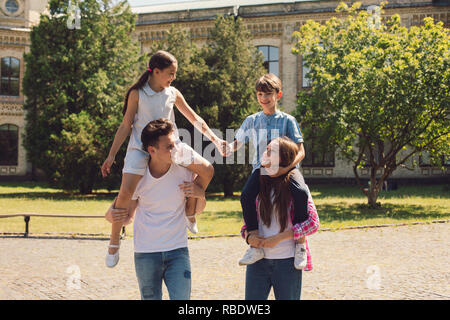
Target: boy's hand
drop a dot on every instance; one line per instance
(281, 171)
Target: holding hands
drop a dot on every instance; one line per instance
(257, 241)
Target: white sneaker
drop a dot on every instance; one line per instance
(251, 256)
(112, 259)
(300, 257)
(192, 226)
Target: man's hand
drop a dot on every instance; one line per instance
(118, 215)
(191, 190)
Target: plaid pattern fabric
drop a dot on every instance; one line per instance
(306, 228)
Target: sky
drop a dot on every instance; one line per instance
(135, 3)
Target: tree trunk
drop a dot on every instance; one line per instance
(228, 189)
(372, 196)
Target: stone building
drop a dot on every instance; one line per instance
(271, 24)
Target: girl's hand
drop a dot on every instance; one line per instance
(191, 190)
(106, 167)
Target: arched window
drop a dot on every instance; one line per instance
(270, 54)
(12, 6)
(10, 70)
(9, 142)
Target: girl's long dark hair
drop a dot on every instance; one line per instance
(161, 60)
(280, 185)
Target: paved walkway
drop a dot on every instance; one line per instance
(407, 262)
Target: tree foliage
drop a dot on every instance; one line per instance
(379, 95)
(75, 83)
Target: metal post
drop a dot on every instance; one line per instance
(27, 220)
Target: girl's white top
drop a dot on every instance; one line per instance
(284, 249)
(152, 106)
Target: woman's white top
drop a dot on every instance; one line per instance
(152, 106)
(284, 249)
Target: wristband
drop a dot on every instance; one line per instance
(246, 238)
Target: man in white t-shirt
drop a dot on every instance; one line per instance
(160, 236)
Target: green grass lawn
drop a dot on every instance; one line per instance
(338, 206)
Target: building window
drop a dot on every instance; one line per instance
(306, 82)
(12, 6)
(424, 160)
(10, 70)
(270, 54)
(317, 158)
(9, 142)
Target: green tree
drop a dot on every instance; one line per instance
(76, 78)
(380, 94)
(218, 81)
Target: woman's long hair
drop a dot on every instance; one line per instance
(288, 150)
(161, 60)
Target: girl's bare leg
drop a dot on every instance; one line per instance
(127, 188)
(205, 173)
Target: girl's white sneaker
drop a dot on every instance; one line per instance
(112, 259)
(192, 226)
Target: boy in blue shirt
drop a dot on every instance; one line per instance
(261, 128)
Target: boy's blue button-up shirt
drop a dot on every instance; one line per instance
(260, 129)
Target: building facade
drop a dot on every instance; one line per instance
(271, 24)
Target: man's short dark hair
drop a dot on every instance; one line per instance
(153, 130)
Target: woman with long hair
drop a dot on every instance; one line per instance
(277, 236)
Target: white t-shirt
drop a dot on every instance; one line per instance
(160, 223)
(152, 106)
(284, 249)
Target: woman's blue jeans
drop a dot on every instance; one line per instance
(277, 273)
(171, 266)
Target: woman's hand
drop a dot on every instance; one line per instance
(271, 242)
(106, 167)
(255, 240)
(191, 190)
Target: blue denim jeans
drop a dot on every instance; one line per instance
(277, 273)
(171, 266)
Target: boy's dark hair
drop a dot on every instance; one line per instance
(161, 60)
(268, 83)
(153, 130)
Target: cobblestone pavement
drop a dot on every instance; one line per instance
(407, 262)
